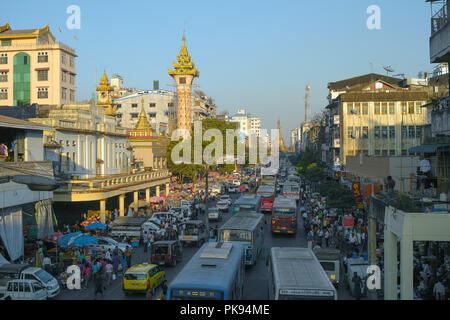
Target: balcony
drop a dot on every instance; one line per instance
(440, 35)
(109, 186)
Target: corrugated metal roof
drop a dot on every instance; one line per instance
(21, 124)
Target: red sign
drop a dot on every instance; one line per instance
(349, 221)
(242, 188)
(356, 188)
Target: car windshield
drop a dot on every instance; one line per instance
(222, 203)
(135, 276)
(190, 230)
(161, 249)
(44, 276)
(235, 235)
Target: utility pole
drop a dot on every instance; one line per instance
(206, 199)
(372, 244)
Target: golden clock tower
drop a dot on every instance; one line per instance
(184, 72)
(104, 95)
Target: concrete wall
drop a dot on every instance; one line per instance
(34, 150)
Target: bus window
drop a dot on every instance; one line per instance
(236, 235)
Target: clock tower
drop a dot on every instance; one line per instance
(104, 95)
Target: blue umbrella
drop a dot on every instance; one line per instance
(130, 212)
(83, 240)
(96, 225)
(64, 240)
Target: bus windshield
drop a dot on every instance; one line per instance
(283, 211)
(266, 195)
(244, 208)
(236, 235)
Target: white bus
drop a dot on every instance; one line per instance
(296, 274)
(291, 190)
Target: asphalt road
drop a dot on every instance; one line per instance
(256, 276)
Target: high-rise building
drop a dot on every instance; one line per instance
(184, 72)
(35, 69)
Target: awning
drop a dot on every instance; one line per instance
(428, 148)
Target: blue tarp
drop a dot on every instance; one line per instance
(63, 241)
(83, 240)
(96, 225)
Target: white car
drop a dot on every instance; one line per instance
(222, 205)
(226, 198)
(214, 214)
(237, 183)
(25, 289)
(104, 244)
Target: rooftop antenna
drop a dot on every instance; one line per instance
(400, 75)
(388, 70)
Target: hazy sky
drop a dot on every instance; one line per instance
(254, 54)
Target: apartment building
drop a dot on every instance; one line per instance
(35, 69)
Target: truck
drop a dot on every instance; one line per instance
(358, 265)
(127, 226)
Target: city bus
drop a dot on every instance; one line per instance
(268, 181)
(215, 272)
(293, 178)
(267, 194)
(248, 229)
(246, 203)
(291, 190)
(284, 216)
(296, 274)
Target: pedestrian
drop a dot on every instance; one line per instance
(98, 278)
(85, 274)
(47, 263)
(439, 290)
(108, 254)
(124, 263)
(357, 286)
(310, 239)
(115, 262)
(109, 271)
(326, 236)
(116, 251)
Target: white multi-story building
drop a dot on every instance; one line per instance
(255, 125)
(158, 106)
(243, 121)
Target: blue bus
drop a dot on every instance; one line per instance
(247, 203)
(215, 272)
(246, 228)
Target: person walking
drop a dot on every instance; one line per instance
(115, 263)
(357, 284)
(327, 237)
(439, 290)
(98, 278)
(310, 239)
(108, 255)
(85, 273)
(109, 271)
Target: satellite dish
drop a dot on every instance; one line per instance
(388, 69)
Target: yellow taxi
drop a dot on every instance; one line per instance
(142, 278)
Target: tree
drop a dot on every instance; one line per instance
(338, 196)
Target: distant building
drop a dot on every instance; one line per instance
(35, 69)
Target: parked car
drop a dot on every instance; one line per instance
(24, 272)
(166, 252)
(24, 289)
(104, 244)
(222, 206)
(214, 214)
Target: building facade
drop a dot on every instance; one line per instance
(35, 69)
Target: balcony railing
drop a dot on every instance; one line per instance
(439, 20)
(113, 182)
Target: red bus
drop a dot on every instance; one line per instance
(284, 215)
(267, 194)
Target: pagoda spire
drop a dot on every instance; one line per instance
(281, 144)
(143, 124)
(184, 64)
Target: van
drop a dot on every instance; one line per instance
(23, 289)
(330, 261)
(23, 271)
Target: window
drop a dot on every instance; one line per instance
(410, 107)
(391, 108)
(384, 132)
(71, 61)
(182, 80)
(350, 132)
(3, 76)
(404, 132)
(404, 152)
(376, 132)
(152, 105)
(72, 95)
(134, 115)
(67, 160)
(384, 153)
(119, 115)
(4, 58)
(152, 114)
(134, 105)
(170, 104)
(365, 132)
(63, 58)
(68, 143)
(74, 143)
(74, 161)
(418, 107)
(392, 132)
(377, 108)
(42, 75)
(63, 93)
(6, 43)
(419, 132)
(63, 76)
(377, 152)
(384, 108)
(3, 94)
(365, 108)
(392, 152)
(72, 79)
(411, 132)
(349, 108)
(404, 108)
(42, 93)
(365, 152)
(42, 57)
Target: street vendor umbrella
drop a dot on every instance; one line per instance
(96, 225)
(83, 240)
(64, 240)
(156, 199)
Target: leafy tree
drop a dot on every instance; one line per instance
(338, 195)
